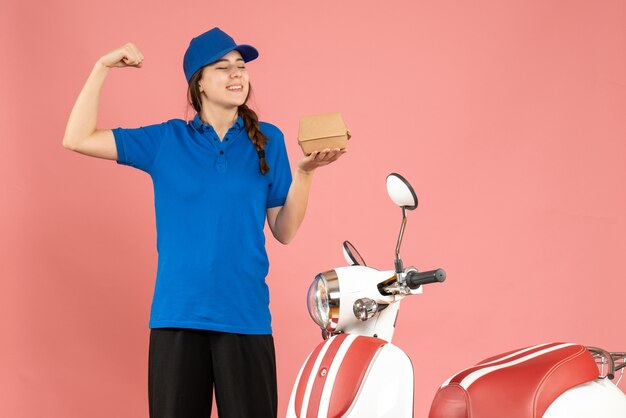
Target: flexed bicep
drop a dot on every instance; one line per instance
(100, 144)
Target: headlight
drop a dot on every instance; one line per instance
(323, 300)
(317, 301)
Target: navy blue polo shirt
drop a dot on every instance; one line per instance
(210, 202)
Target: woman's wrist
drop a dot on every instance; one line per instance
(101, 66)
(304, 172)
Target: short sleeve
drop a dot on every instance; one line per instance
(138, 147)
(280, 171)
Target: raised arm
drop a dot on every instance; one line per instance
(81, 134)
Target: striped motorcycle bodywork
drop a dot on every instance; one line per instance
(353, 376)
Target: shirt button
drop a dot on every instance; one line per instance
(221, 152)
(214, 139)
(226, 139)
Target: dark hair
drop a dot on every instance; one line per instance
(250, 119)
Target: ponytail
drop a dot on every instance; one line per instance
(251, 122)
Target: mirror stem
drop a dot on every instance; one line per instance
(399, 266)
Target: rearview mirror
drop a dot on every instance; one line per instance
(401, 192)
(351, 255)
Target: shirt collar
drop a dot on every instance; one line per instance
(201, 126)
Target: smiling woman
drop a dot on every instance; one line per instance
(217, 179)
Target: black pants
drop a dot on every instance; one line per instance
(185, 364)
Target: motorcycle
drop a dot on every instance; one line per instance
(357, 372)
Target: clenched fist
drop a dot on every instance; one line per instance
(127, 55)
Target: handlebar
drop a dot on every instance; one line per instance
(414, 279)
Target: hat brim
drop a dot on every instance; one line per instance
(248, 53)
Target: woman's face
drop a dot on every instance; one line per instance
(225, 82)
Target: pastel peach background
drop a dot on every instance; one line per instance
(507, 116)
